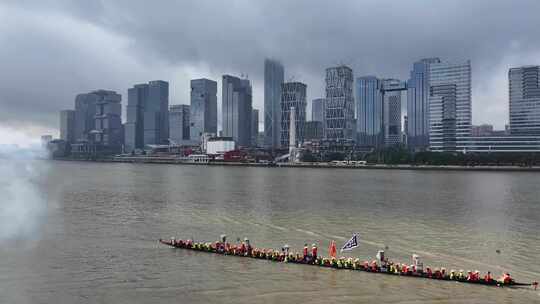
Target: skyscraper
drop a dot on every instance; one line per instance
(293, 96)
(203, 117)
(254, 127)
(339, 104)
(449, 105)
(67, 126)
(392, 110)
(108, 121)
(418, 104)
(179, 124)
(85, 110)
(237, 109)
(524, 93)
(369, 103)
(273, 78)
(147, 115)
(317, 109)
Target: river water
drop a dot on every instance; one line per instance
(96, 239)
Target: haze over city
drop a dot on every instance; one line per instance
(53, 50)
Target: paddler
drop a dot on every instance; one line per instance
(506, 279)
(314, 252)
(305, 254)
(249, 249)
(487, 277)
(418, 265)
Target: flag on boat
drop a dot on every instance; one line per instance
(332, 251)
(351, 244)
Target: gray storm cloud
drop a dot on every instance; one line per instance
(52, 50)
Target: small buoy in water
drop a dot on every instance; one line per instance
(498, 251)
(385, 247)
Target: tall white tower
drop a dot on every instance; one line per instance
(292, 136)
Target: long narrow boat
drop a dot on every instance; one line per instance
(211, 248)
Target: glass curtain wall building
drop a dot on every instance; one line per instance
(203, 109)
(369, 109)
(339, 104)
(237, 109)
(273, 78)
(293, 95)
(418, 105)
(524, 94)
(450, 110)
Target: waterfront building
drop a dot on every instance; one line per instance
(203, 109)
(67, 126)
(317, 109)
(391, 89)
(369, 103)
(254, 127)
(524, 94)
(179, 124)
(108, 121)
(85, 110)
(237, 109)
(219, 145)
(273, 78)
(449, 105)
(339, 104)
(501, 144)
(293, 97)
(418, 105)
(405, 138)
(147, 115)
(313, 130)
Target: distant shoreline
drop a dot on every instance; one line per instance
(172, 161)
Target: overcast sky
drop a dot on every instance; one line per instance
(52, 50)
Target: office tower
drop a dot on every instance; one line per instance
(418, 105)
(313, 130)
(254, 127)
(293, 96)
(147, 115)
(339, 104)
(392, 89)
(237, 109)
(524, 93)
(85, 110)
(449, 105)
(179, 124)
(203, 112)
(67, 126)
(273, 78)
(317, 109)
(369, 103)
(108, 121)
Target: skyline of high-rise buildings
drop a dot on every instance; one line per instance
(438, 93)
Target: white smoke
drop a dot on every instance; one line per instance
(22, 205)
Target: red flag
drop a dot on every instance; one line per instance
(332, 249)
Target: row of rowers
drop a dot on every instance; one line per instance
(310, 256)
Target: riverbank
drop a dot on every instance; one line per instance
(316, 165)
